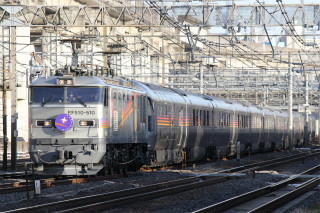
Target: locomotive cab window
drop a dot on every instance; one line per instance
(44, 95)
(84, 95)
(56, 95)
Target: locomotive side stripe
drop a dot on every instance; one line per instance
(126, 116)
(129, 104)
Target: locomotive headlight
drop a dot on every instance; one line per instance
(86, 123)
(61, 81)
(46, 123)
(65, 81)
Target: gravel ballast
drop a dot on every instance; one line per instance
(181, 202)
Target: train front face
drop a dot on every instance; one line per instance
(66, 137)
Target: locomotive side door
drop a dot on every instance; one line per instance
(105, 121)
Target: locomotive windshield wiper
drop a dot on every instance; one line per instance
(48, 100)
(81, 101)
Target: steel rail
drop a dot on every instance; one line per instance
(274, 204)
(47, 183)
(237, 200)
(71, 203)
(270, 163)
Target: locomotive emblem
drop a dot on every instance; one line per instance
(64, 122)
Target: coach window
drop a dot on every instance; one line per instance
(208, 118)
(243, 117)
(246, 121)
(243, 121)
(196, 117)
(193, 117)
(143, 109)
(204, 120)
(228, 119)
(212, 118)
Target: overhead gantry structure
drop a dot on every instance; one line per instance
(232, 50)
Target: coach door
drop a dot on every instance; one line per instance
(233, 125)
(172, 125)
(182, 127)
(150, 115)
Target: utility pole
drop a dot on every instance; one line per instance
(290, 103)
(163, 64)
(306, 127)
(4, 115)
(201, 77)
(14, 131)
(12, 22)
(318, 114)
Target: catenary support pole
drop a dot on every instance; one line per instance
(14, 131)
(290, 104)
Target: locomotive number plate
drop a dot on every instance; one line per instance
(81, 112)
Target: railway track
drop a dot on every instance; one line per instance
(47, 183)
(267, 198)
(112, 199)
(271, 163)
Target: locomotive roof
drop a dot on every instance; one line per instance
(77, 81)
(86, 81)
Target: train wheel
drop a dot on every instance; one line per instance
(125, 171)
(272, 147)
(111, 171)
